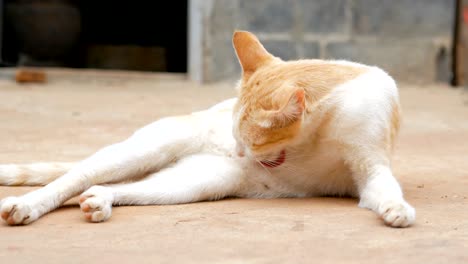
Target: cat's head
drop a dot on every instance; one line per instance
(269, 112)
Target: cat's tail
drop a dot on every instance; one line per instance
(33, 174)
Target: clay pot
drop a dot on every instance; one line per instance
(45, 30)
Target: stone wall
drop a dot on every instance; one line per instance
(411, 39)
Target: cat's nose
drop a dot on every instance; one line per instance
(240, 150)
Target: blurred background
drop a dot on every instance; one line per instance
(93, 72)
(415, 40)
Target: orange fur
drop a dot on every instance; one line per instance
(22, 177)
(395, 126)
(269, 84)
(252, 54)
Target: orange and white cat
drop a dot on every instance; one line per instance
(298, 129)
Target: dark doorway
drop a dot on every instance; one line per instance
(105, 34)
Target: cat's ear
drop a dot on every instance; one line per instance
(250, 52)
(295, 106)
(291, 112)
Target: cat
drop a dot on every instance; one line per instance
(297, 129)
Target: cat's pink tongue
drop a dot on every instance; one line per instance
(279, 160)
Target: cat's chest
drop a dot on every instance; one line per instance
(322, 172)
(317, 171)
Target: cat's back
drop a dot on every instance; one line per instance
(359, 104)
(320, 78)
(327, 75)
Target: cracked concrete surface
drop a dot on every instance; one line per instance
(78, 112)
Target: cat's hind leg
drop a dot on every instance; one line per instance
(149, 149)
(195, 178)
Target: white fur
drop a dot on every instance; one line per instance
(194, 158)
(32, 174)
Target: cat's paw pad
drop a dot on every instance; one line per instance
(96, 204)
(16, 211)
(397, 213)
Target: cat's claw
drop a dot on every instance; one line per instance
(397, 213)
(96, 204)
(16, 211)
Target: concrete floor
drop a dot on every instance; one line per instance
(78, 112)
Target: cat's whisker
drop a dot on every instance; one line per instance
(266, 169)
(284, 166)
(289, 158)
(289, 168)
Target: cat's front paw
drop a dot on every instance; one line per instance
(397, 213)
(96, 204)
(17, 211)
